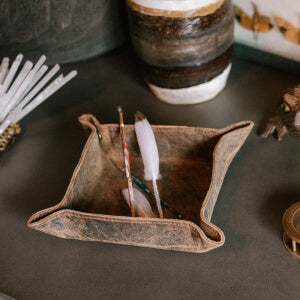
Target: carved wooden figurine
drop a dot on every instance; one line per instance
(287, 117)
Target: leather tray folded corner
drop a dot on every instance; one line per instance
(193, 164)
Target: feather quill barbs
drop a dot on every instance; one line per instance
(142, 206)
(149, 152)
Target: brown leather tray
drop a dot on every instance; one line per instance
(193, 164)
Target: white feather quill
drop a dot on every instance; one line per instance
(142, 206)
(149, 152)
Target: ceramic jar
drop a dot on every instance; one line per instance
(185, 46)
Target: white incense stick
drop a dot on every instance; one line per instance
(11, 73)
(57, 84)
(3, 69)
(41, 84)
(19, 96)
(37, 88)
(6, 104)
(34, 80)
(28, 83)
(4, 125)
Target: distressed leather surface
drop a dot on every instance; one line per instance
(193, 164)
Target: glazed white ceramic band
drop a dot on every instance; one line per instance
(195, 94)
(175, 5)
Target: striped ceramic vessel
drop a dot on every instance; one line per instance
(185, 46)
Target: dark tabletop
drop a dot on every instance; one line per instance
(262, 181)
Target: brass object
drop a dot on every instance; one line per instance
(9, 135)
(291, 227)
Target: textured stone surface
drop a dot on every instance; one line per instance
(64, 31)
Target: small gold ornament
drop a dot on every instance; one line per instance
(9, 135)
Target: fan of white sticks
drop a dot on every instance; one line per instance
(22, 91)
